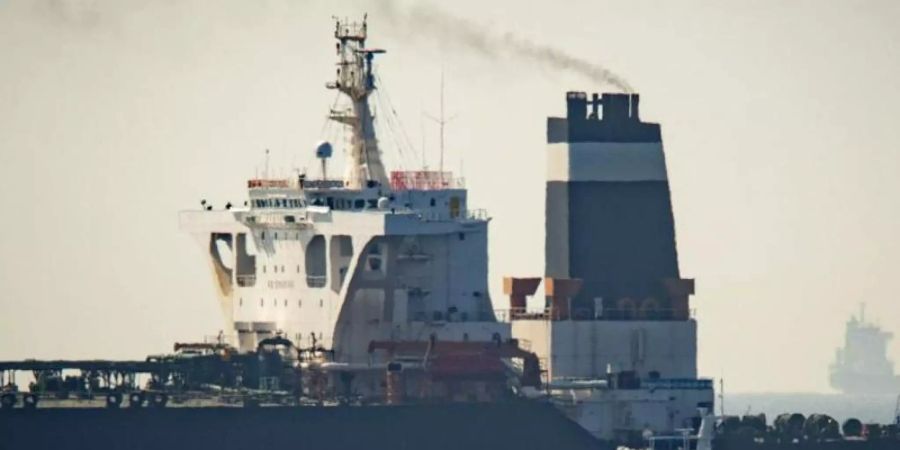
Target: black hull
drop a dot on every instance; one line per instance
(498, 426)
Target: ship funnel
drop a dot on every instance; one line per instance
(620, 107)
(576, 105)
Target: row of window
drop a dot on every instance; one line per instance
(278, 203)
(347, 204)
(331, 202)
(278, 269)
(285, 235)
(334, 203)
(275, 302)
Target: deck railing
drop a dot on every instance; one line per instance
(587, 314)
(425, 180)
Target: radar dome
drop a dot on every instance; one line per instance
(384, 203)
(323, 149)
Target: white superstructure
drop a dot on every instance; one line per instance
(337, 264)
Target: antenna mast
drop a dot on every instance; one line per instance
(422, 132)
(354, 79)
(441, 122)
(722, 396)
(897, 412)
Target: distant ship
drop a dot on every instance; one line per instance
(862, 366)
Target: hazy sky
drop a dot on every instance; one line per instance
(779, 124)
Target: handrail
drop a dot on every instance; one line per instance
(425, 180)
(586, 314)
(477, 214)
(262, 183)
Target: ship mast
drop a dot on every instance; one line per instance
(355, 80)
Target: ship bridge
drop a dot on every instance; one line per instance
(412, 252)
(376, 256)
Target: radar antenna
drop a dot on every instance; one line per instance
(323, 152)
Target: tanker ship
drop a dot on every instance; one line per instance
(862, 367)
(358, 312)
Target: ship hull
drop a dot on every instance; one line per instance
(885, 444)
(496, 426)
